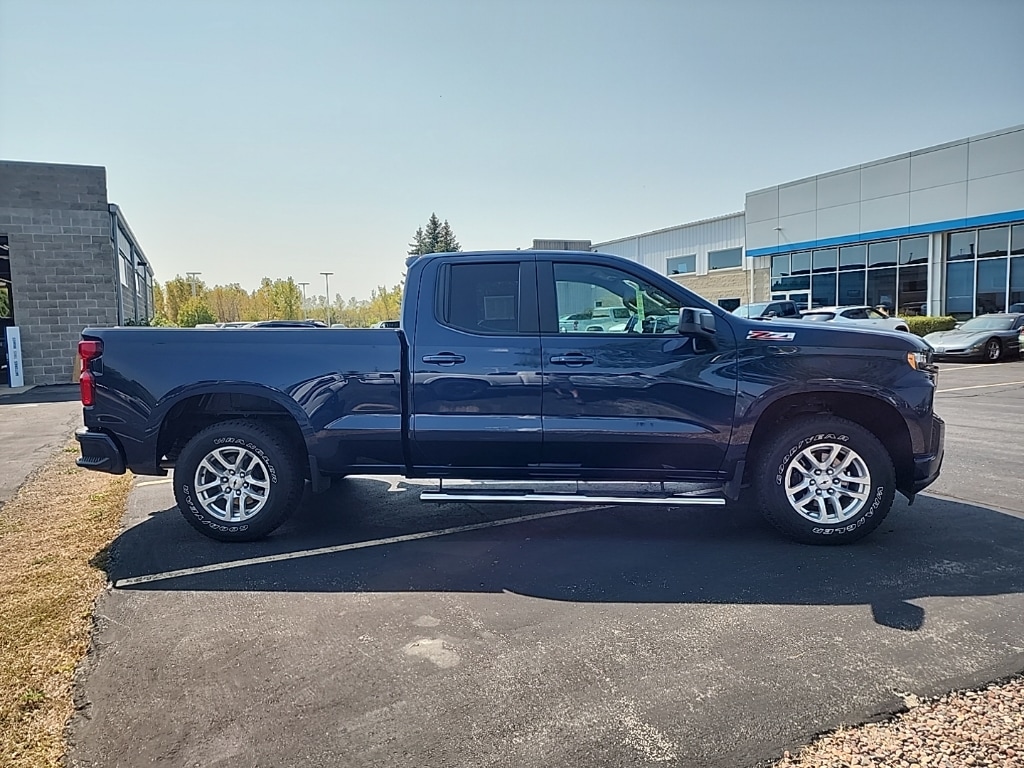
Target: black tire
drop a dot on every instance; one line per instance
(783, 461)
(271, 463)
(993, 351)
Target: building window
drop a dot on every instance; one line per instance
(913, 290)
(992, 242)
(1017, 280)
(732, 257)
(914, 250)
(801, 264)
(851, 288)
(682, 265)
(825, 260)
(853, 257)
(729, 304)
(961, 246)
(960, 289)
(882, 288)
(1017, 240)
(882, 254)
(991, 295)
(823, 290)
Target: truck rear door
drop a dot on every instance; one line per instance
(476, 387)
(634, 399)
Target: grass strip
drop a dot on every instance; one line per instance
(54, 536)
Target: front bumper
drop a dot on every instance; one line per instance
(959, 354)
(99, 452)
(927, 466)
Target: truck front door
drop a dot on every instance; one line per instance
(635, 397)
(476, 391)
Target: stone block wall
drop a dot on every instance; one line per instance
(63, 270)
(729, 284)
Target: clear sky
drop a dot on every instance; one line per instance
(244, 139)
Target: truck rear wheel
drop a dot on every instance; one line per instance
(237, 481)
(825, 480)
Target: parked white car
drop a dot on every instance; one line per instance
(855, 315)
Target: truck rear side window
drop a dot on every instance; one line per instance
(482, 298)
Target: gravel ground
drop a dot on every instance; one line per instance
(973, 729)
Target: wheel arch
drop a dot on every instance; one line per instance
(877, 416)
(183, 414)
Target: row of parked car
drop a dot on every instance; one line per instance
(987, 338)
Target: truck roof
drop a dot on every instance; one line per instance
(508, 252)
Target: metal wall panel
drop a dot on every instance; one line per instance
(653, 249)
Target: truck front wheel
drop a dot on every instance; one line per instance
(825, 480)
(237, 481)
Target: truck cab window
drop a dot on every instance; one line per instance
(482, 298)
(597, 299)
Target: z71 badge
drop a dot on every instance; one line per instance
(771, 335)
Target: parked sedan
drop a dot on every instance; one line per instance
(857, 315)
(987, 337)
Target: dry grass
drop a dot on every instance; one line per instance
(53, 536)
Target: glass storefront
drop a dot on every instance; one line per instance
(889, 273)
(984, 271)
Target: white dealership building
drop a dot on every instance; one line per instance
(936, 231)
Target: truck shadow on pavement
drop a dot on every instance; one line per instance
(619, 554)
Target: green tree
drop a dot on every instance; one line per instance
(177, 292)
(286, 298)
(193, 312)
(227, 302)
(438, 237)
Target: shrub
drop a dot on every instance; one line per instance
(924, 325)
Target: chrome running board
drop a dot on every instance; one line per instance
(572, 498)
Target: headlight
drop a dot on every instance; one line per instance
(919, 360)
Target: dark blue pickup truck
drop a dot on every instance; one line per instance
(674, 401)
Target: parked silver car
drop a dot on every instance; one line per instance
(856, 315)
(989, 338)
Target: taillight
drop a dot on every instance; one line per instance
(88, 351)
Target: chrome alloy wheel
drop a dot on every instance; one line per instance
(827, 483)
(232, 484)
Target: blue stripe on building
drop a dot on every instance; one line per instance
(884, 234)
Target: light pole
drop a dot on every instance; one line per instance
(327, 288)
(192, 279)
(303, 299)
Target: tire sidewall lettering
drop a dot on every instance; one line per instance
(198, 513)
(251, 446)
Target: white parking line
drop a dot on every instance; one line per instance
(213, 567)
(980, 386)
(959, 368)
(153, 482)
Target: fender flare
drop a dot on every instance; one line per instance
(159, 412)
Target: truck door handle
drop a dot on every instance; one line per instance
(445, 358)
(573, 358)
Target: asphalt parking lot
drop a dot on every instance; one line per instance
(363, 634)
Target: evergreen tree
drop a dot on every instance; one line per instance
(436, 238)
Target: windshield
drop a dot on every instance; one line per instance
(820, 317)
(988, 324)
(751, 310)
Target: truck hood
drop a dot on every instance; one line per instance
(839, 335)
